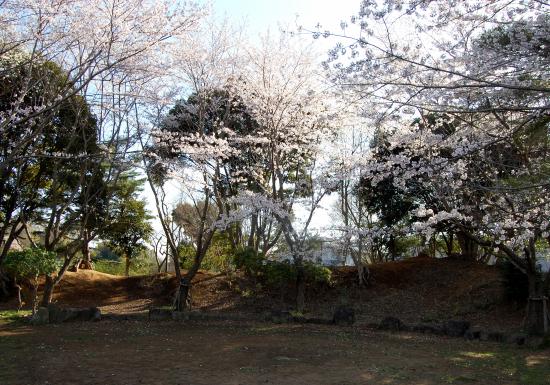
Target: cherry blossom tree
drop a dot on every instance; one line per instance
(109, 52)
(285, 95)
(480, 67)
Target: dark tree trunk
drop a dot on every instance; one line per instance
(449, 242)
(392, 248)
(468, 247)
(182, 301)
(126, 265)
(4, 282)
(300, 288)
(363, 274)
(183, 297)
(536, 321)
(47, 296)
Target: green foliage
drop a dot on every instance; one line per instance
(30, 263)
(14, 316)
(277, 273)
(32, 180)
(317, 273)
(104, 252)
(128, 224)
(248, 260)
(283, 273)
(142, 264)
(219, 256)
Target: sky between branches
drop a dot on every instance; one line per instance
(261, 16)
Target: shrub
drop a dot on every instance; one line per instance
(142, 264)
(249, 261)
(28, 265)
(278, 273)
(281, 273)
(318, 273)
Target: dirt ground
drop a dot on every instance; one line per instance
(416, 290)
(193, 353)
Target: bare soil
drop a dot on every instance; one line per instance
(141, 352)
(230, 352)
(416, 290)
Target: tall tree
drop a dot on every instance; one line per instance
(128, 226)
(484, 65)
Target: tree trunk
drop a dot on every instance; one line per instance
(48, 291)
(18, 288)
(126, 265)
(300, 288)
(4, 281)
(392, 248)
(183, 298)
(536, 321)
(34, 300)
(468, 247)
(86, 262)
(363, 274)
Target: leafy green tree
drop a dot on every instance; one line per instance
(49, 160)
(27, 266)
(128, 226)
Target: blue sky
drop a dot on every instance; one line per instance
(263, 14)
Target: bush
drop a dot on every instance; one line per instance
(140, 265)
(219, 256)
(278, 273)
(30, 263)
(249, 261)
(318, 273)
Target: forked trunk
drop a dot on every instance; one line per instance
(182, 301)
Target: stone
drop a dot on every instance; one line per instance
(517, 339)
(493, 336)
(372, 325)
(280, 316)
(41, 317)
(158, 314)
(391, 324)
(318, 321)
(428, 329)
(344, 315)
(58, 314)
(456, 328)
(471, 334)
(180, 316)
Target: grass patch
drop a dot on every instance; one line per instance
(509, 362)
(118, 268)
(14, 315)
